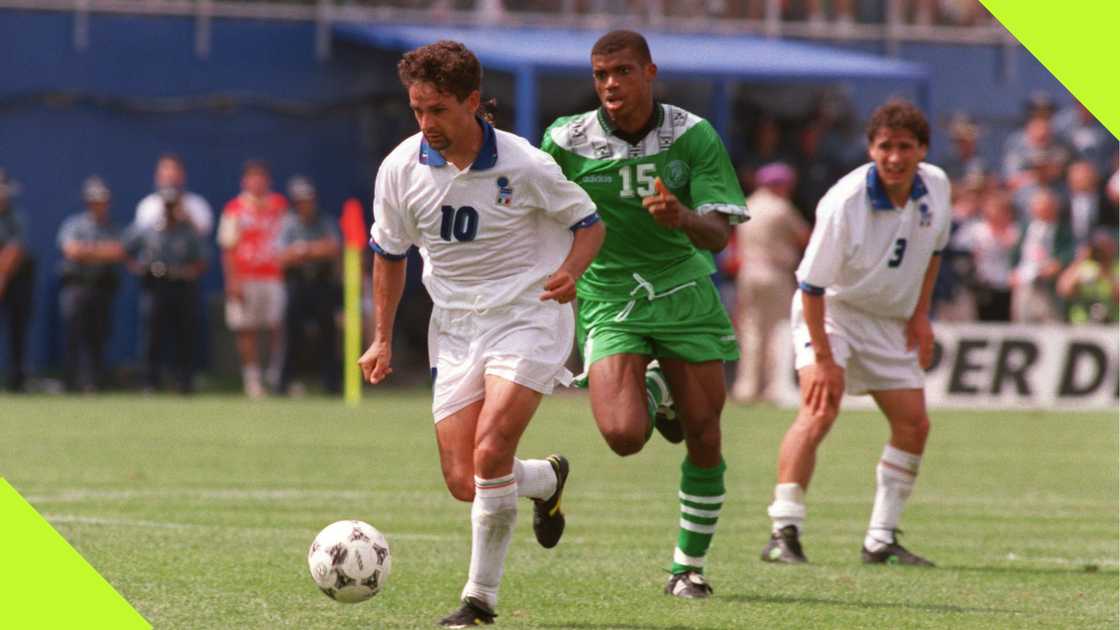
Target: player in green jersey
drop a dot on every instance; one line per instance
(665, 188)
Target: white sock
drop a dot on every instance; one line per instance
(788, 507)
(251, 377)
(275, 368)
(536, 478)
(493, 516)
(895, 476)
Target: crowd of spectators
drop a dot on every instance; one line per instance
(816, 13)
(281, 278)
(1049, 212)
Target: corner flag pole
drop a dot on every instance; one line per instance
(354, 237)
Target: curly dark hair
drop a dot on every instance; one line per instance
(448, 65)
(619, 40)
(899, 113)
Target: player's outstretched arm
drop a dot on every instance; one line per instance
(710, 231)
(919, 332)
(561, 285)
(388, 287)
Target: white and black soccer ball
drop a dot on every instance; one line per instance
(349, 561)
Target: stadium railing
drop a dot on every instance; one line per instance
(891, 21)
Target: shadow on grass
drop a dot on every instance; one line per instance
(1088, 570)
(625, 626)
(936, 608)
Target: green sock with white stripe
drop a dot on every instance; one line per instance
(701, 498)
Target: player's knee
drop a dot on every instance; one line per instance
(460, 485)
(624, 442)
(490, 456)
(816, 424)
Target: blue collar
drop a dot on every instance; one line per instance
(487, 155)
(878, 195)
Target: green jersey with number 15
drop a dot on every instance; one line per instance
(639, 255)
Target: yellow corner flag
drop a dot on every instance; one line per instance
(354, 238)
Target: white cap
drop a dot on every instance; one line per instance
(300, 188)
(94, 190)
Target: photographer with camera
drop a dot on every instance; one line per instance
(91, 248)
(169, 257)
(172, 173)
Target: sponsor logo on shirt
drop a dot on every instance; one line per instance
(602, 150)
(597, 179)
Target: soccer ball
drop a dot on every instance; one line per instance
(349, 561)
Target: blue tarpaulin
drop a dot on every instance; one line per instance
(528, 52)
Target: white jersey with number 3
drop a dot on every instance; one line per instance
(870, 255)
(490, 234)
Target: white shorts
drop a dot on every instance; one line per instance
(872, 350)
(261, 305)
(525, 343)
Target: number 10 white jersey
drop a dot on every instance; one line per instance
(490, 234)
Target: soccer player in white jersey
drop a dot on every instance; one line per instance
(860, 324)
(504, 236)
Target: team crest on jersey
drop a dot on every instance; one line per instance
(505, 191)
(602, 150)
(676, 174)
(926, 217)
(664, 140)
(679, 118)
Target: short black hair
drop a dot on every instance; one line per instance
(448, 65)
(899, 113)
(622, 39)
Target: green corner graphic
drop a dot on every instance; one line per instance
(46, 583)
(1076, 42)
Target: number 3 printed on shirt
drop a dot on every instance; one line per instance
(461, 224)
(899, 252)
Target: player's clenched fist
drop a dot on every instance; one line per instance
(560, 286)
(375, 362)
(664, 206)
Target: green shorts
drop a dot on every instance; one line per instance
(687, 323)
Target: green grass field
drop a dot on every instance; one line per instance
(200, 511)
